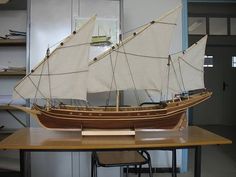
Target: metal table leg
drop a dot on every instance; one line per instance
(174, 172)
(25, 163)
(197, 165)
(22, 163)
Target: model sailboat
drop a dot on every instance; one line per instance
(139, 62)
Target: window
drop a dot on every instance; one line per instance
(218, 26)
(197, 25)
(234, 61)
(208, 62)
(232, 26)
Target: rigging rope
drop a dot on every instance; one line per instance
(37, 87)
(149, 96)
(145, 56)
(24, 98)
(190, 64)
(132, 78)
(176, 77)
(181, 75)
(37, 90)
(113, 78)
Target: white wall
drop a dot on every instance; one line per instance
(50, 23)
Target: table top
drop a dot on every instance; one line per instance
(42, 139)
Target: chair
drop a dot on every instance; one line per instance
(120, 159)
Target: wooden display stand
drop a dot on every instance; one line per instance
(107, 132)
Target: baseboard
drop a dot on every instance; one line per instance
(154, 170)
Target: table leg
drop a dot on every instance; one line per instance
(197, 165)
(25, 163)
(174, 173)
(22, 163)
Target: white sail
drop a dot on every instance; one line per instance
(138, 62)
(64, 73)
(186, 69)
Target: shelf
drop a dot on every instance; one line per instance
(12, 42)
(12, 73)
(7, 108)
(4, 133)
(7, 131)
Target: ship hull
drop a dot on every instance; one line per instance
(66, 123)
(172, 116)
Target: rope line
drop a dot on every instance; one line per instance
(149, 96)
(113, 79)
(132, 78)
(55, 74)
(37, 87)
(176, 77)
(144, 56)
(190, 64)
(181, 75)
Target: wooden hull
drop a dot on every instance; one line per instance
(173, 116)
(53, 122)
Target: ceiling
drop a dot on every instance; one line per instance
(14, 5)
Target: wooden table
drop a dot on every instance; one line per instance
(38, 139)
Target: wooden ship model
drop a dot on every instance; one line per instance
(139, 62)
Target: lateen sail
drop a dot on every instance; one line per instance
(186, 68)
(127, 66)
(141, 61)
(64, 73)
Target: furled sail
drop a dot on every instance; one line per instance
(138, 62)
(186, 68)
(63, 74)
